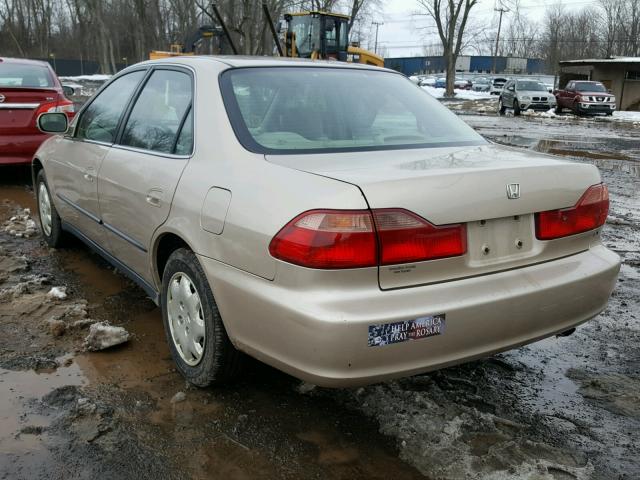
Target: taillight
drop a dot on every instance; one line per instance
(328, 239)
(406, 238)
(353, 239)
(64, 106)
(590, 212)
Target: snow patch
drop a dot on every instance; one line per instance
(59, 293)
(102, 336)
(91, 78)
(21, 225)
(459, 94)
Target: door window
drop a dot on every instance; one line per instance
(99, 121)
(158, 113)
(184, 145)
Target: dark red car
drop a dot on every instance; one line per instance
(27, 89)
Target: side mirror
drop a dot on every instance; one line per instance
(68, 91)
(53, 123)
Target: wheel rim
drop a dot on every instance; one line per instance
(186, 318)
(44, 208)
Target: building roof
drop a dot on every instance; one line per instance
(591, 61)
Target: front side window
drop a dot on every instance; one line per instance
(159, 112)
(311, 109)
(99, 121)
(24, 76)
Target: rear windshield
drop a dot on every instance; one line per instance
(25, 76)
(318, 109)
(590, 87)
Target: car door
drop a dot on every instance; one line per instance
(73, 168)
(140, 173)
(507, 94)
(567, 94)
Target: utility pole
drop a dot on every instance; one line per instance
(377, 24)
(502, 10)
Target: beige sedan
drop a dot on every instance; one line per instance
(331, 220)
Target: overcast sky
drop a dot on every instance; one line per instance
(401, 33)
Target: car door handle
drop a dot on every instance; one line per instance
(154, 197)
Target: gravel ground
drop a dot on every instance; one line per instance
(563, 408)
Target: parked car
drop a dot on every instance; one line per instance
(441, 82)
(461, 84)
(481, 84)
(585, 98)
(497, 84)
(341, 240)
(27, 89)
(427, 82)
(524, 95)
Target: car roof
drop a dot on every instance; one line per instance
(24, 61)
(240, 61)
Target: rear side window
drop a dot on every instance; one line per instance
(99, 121)
(184, 145)
(159, 112)
(24, 76)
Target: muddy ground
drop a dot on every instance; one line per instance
(562, 408)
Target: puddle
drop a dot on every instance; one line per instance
(13, 197)
(18, 389)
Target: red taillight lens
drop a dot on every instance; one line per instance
(405, 238)
(328, 239)
(590, 212)
(349, 239)
(64, 106)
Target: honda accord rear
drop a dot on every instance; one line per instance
(333, 221)
(27, 89)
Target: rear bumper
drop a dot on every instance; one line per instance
(322, 336)
(20, 148)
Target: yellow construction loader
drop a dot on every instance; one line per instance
(314, 35)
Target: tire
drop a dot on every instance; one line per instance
(576, 110)
(501, 107)
(558, 109)
(516, 107)
(609, 114)
(50, 224)
(196, 323)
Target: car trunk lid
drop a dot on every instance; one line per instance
(463, 185)
(19, 108)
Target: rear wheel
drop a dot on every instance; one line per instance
(50, 223)
(516, 107)
(501, 107)
(196, 335)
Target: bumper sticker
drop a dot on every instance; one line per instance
(389, 333)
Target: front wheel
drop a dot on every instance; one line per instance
(196, 335)
(516, 107)
(50, 223)
(501, 107)
(558, 109)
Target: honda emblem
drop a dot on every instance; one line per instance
(513, 191)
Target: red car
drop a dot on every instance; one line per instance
(27, 89)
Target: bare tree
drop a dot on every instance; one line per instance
(451, 17)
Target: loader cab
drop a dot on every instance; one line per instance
(317, 35)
